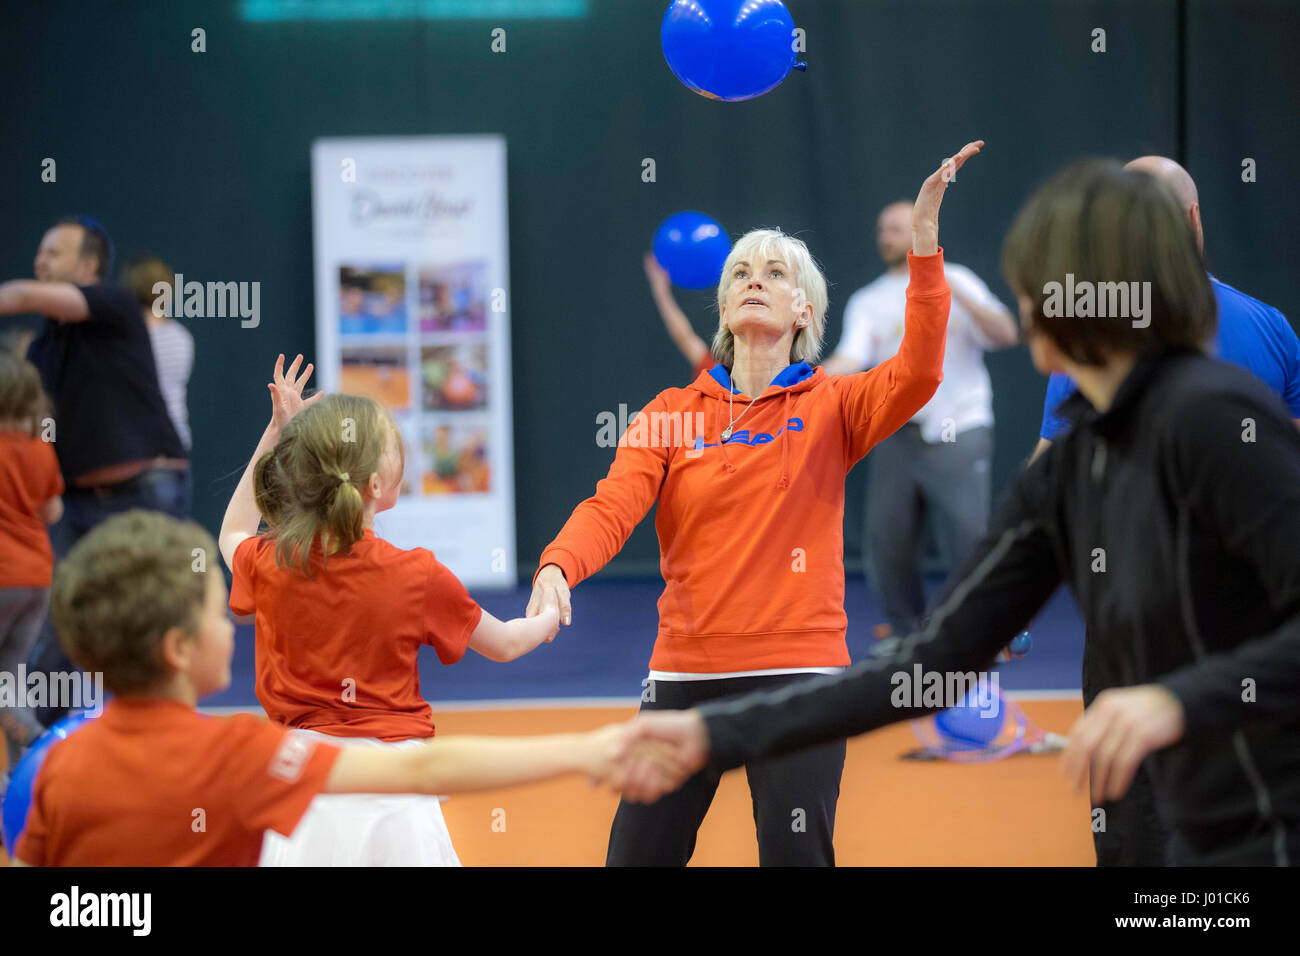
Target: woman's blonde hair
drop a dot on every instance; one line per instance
(758, 246)
(309, 485)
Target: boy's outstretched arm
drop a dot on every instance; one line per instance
(462, 764)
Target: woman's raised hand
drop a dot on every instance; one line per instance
(925, 214)
(286, 391)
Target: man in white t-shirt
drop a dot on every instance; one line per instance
(940, 461)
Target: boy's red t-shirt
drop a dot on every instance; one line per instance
(155, 783)
(29, 477)
(337, 652)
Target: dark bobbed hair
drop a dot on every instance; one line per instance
(1103, 223)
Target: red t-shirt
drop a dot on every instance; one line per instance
(29, 477)
(155, 783)
(336, 652)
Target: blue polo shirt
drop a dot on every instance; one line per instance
(1251, 334)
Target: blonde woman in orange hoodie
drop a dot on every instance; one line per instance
(747, 465)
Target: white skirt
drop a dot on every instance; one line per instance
(365, 829)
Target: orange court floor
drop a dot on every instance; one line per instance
(1012, 812)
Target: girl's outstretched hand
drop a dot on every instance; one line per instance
(925, 214)
(286, 391)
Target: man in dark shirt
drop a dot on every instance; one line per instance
(115, 443)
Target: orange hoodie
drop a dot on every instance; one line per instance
(751, 537)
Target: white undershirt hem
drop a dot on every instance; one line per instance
(676, 675)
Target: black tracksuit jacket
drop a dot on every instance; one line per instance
(1174, 517)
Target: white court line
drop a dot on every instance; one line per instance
(1075, 693)
(579, 703)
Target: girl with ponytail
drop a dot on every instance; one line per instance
(341, 614)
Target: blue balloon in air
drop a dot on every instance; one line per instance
(729, 50)
(692, 248)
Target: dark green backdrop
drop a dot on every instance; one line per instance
(202, 158)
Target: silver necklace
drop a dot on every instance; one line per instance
(731, 410)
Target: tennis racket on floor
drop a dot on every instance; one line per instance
(980, 731)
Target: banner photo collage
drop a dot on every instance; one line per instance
(412, 310)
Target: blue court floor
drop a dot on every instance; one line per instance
(605, 653)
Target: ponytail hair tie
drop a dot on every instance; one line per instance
(344, 476)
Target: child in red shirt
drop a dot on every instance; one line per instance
(31, 490)
(152, 782)
(341, 614)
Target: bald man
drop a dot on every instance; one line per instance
(1258, 338)
(1251, 334)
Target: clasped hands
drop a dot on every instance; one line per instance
(651, 755)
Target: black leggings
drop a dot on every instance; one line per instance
(794, 796)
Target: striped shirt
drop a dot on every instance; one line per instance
(173, 353)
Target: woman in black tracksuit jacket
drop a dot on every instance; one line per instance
(1172, 510)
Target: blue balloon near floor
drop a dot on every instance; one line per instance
(18, 795)
(972, 725)
(729, 50)
(1020, 645)
(692, 248)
